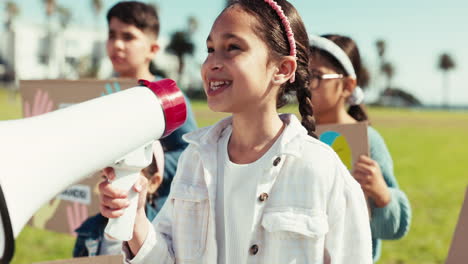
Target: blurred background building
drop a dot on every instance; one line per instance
(413, 50)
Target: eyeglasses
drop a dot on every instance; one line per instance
(316, 78)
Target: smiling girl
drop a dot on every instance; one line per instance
(257, 187)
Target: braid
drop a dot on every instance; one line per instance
(358, 112)
(306, 110)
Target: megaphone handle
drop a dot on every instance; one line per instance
(121, 228)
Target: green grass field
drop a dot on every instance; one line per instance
(430, 152)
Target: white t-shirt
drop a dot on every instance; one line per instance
(235, 200)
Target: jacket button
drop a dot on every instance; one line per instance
(253, 250)
(276, 161)
(263, 197)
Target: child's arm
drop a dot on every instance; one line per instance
(149, 242)
(349, 238)
(393, 220)
(152, 242)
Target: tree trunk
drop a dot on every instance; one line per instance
(445, 87)
(389, 82)
(181, 67)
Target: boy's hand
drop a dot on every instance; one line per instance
(114, 201)
(367, 172)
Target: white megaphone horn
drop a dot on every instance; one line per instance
(41, 156)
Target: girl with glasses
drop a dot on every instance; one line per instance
(336, 75)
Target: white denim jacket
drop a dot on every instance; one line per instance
(315, 212)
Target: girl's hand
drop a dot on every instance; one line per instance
(113, 201)
(367, 172)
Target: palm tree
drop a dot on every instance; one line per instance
(181, 44)
(50, 9)
(446, 64)
(96, 57)
(381, 48)
(64, 16)
(380, 44)
(192, 25)
(97, 7)
(389, 71)
(12, 11)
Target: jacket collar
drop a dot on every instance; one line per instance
(289, 140)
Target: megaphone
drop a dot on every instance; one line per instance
(40, 156)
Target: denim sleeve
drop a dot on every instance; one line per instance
(393, 220)
(80, 250)
(90, 232)
(173, 145)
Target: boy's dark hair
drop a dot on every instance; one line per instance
(362, 75)
(270, 29)
(141, 15)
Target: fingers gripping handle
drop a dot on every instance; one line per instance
(121, 228)
(127, 172)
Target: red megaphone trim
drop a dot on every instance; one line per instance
(172, 102)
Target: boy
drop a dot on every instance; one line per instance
(131, 46)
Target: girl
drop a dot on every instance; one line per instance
(256, 187)
(335, 80)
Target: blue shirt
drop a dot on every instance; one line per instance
(173, 145)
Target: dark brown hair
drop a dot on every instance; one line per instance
(150, 171)
(152, 168)
(141, 15)
(358, 112)
(270, 29)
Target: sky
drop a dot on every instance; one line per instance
(416, 33)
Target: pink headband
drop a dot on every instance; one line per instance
(287, 26)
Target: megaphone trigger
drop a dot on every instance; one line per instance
(127, 170)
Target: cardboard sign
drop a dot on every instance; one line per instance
(114, 259)
(75, 204)
(348, 140)
(458, 252)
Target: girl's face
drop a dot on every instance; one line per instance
(327, 94)
(236, 73)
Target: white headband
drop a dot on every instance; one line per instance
(357, 97)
